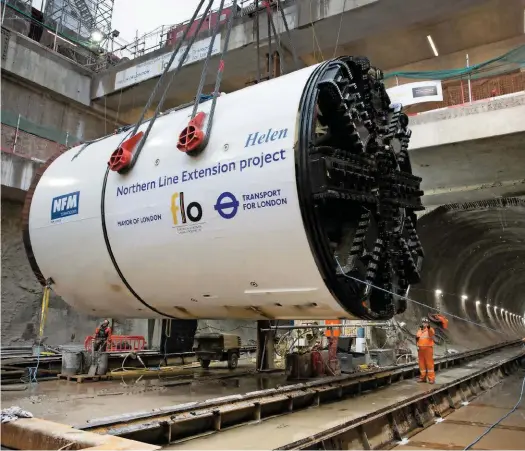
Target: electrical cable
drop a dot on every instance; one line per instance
(415, 302)
(501, 419)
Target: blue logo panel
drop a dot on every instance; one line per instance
(227, 205)
(65, 205)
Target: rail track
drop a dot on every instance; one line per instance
(189, 420)
(378, 416)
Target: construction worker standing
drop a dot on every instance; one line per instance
(102, 336)
(425, 351)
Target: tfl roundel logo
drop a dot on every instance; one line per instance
(227, 205)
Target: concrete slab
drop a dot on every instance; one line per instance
(500, 116)
(452, 436)
(75, 404)
(488, 415)
(462, 427)
(502, 396)
(34, 433)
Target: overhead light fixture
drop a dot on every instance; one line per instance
(432, 45)
(488, 305)
(464, 297)
(439, 292)
(97, 36)
(478, 302)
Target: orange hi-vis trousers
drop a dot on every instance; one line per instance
(426, 363)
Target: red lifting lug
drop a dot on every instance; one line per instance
(121, 157)
(192, 137)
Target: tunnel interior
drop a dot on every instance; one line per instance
(474, 269)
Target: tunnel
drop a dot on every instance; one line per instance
(474, 252)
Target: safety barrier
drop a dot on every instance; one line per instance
(119, 343)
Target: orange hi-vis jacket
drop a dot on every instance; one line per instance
(425, 337)
(444, 321)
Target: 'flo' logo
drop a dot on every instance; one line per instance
(182, 213)
(65, 205)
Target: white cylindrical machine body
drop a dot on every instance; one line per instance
(219, 235)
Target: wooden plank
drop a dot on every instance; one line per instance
(80, 378)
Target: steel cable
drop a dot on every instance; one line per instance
(141, 143)
(413, 301)
(172, 58)
(206, 62)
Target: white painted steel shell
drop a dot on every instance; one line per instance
(256, 264)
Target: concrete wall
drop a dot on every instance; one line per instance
(27, 145)
(49, 111)
(479, 120)
(33, 62)
(17, 174)
(314, 27)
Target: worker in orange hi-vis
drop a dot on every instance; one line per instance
(102, 336)
(443, 320)
(425, 351)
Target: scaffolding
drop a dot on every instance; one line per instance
(83, 18)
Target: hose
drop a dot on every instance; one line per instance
(501, 419)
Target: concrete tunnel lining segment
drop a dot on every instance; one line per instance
(476, 249)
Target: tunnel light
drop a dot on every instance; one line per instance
(478, 302)
(439, 292)
(464, 297)
(488, 305)
(432, 45)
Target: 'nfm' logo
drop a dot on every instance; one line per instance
(65, 205)
(182, 213)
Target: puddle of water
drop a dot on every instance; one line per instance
(74, 403)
